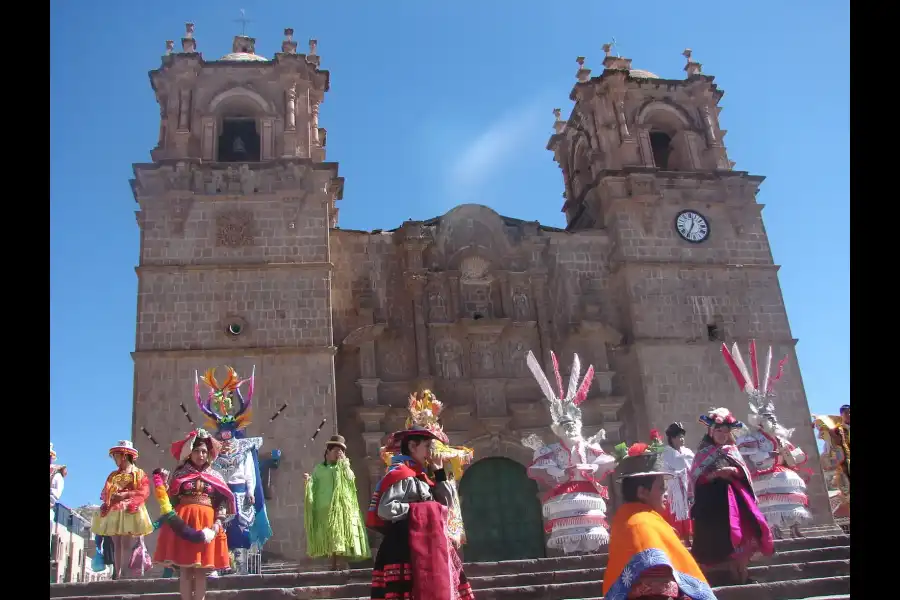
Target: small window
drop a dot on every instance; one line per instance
(713, 333)
(239, 141)
(661, 145)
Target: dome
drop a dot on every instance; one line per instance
(641, 74)
(244, 57)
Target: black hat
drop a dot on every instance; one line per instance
(845, 408)
(336, 440)
(675, 429)
(642, 465)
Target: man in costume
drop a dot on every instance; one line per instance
(775, 464)
(417, 558)
(575, 509)
(57, 481)
(331, 515)
(229, 414)
(646, 558)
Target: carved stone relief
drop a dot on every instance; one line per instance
(234, 229)
(437, 306)
(395, 360)
(484, 360)
(476, 298)
(517, 350)
(448, 358)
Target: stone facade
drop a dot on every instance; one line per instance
(242, 263)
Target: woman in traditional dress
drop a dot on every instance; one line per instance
(331, 515)
(677, 460)
(123, 514)
(417, 559)
(202, 500)
(728, 525)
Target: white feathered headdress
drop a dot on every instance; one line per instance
(564, 406)
(759, 389)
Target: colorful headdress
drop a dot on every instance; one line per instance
(640, 459)
(52, 453)
(424, 413)
(720, 416)
(125, 447)
(219, 406)
(760, 390)
(564, 406)
(182, 449)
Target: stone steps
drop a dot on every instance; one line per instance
(801, 568)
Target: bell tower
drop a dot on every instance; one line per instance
(235, 216)
(645, 166)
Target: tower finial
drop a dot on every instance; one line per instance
(583, 73)
(289, 46)
(170, 47)
(188, 43)
(558, 125)
(691, 68)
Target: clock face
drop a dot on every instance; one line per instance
(692, 226)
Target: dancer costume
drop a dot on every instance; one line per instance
(57, 481)
(776, 465)
(417, 559)
(424, 408)
(238, 461)
(331, 515)
(836, 435)
(201, 499)
(122, 510)
(679, 494)
(575, 508)
(646, 558)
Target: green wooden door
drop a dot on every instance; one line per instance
(501, 512)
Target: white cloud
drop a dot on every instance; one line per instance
(497, 146)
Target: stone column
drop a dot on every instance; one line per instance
(184, 110)
(290, 111)
(453, 308)
(267, 139)
(506, 295)
(539, 289)
(415, 283)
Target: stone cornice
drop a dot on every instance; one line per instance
(303, 266)
(681, 341)
(620, 263)
(208, 353)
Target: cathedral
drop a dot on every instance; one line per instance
(664, 256)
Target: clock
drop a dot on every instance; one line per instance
(692, 226)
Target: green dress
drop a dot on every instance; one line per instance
(334, 524)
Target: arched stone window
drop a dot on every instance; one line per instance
(238, 127)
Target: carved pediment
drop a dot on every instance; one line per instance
(361, 335)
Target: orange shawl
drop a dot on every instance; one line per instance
(640, 538)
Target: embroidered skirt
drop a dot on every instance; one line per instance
(172, 550)
(392, 575)
(120, 522)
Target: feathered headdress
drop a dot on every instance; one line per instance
(424, 414)
(759, 389)
(564, 406)
(219, 404)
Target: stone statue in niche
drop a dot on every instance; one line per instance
(248, 180)
(520, 305)
(486, 362)
(217, 182)
(490, 402)
(447, 358)
(437, 308)
(517, 352)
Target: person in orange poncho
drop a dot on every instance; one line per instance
(646, 558)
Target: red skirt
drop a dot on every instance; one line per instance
(684, 529)
(172, 550)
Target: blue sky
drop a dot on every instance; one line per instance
(434, 105)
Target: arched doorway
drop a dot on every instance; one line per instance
(501, 512)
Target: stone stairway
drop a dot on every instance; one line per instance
(816, 567)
